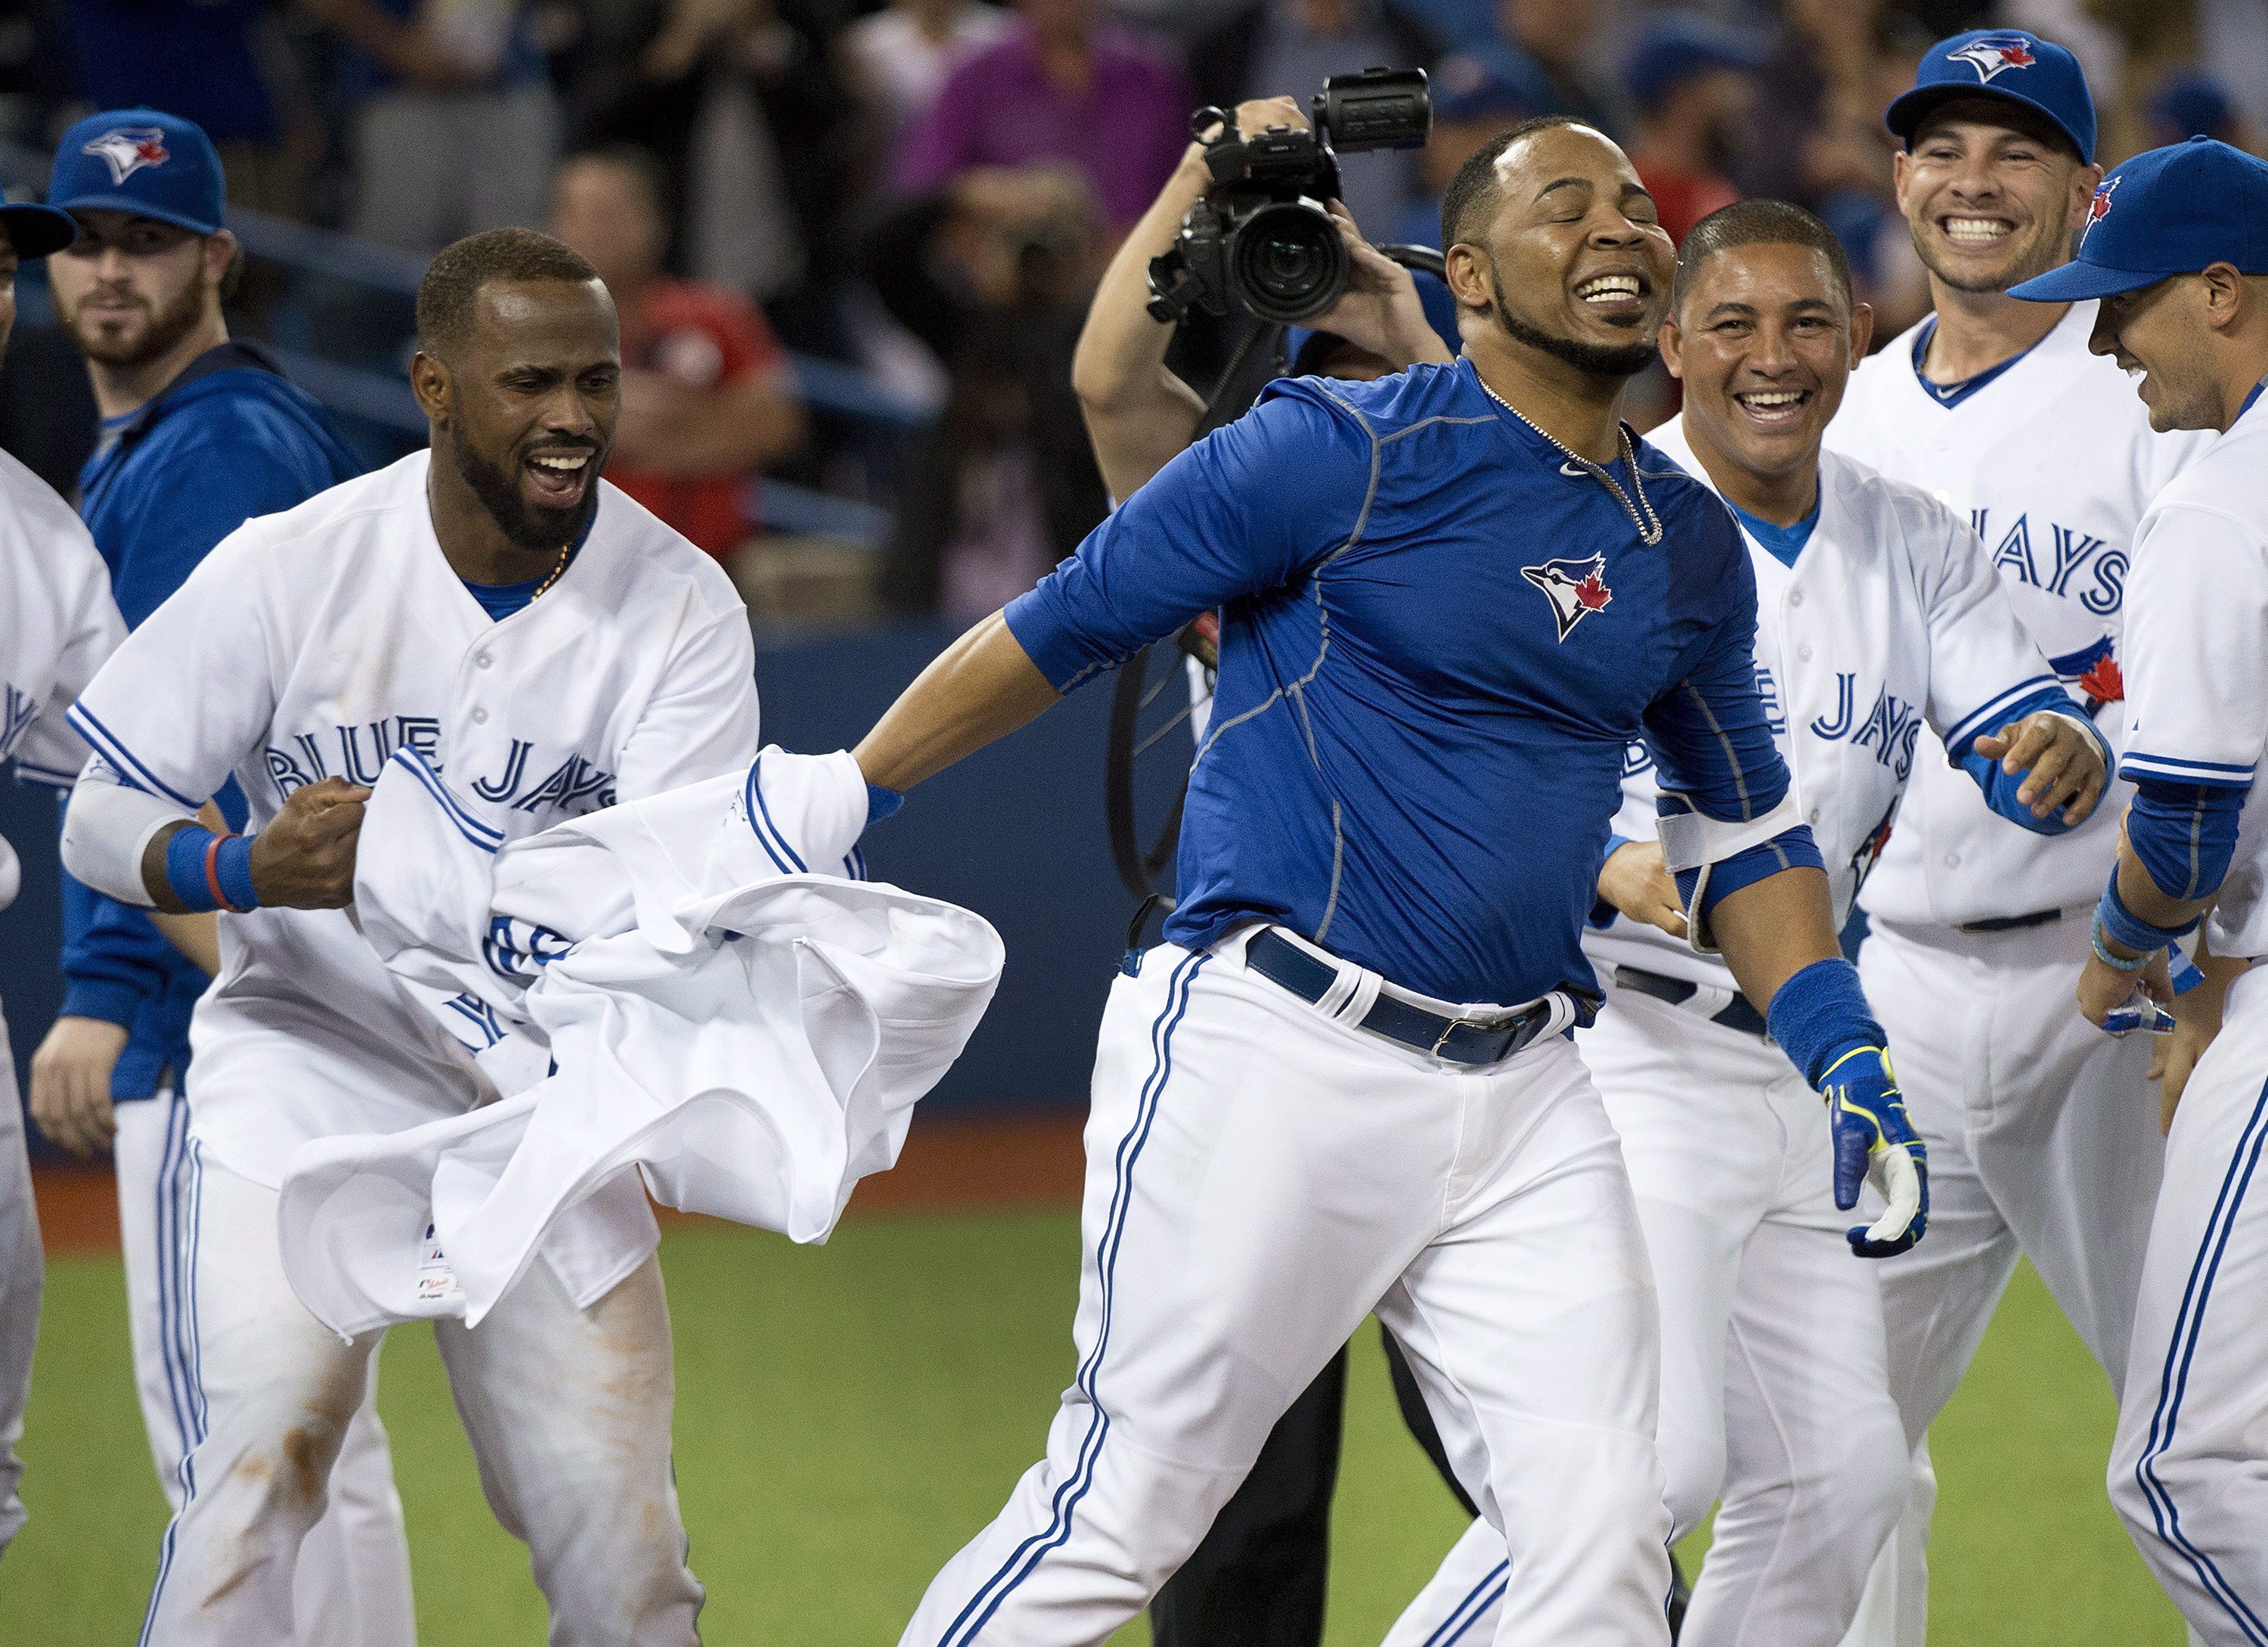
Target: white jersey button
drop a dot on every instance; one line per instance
(1812, 816)
(480, 717)
(1953, 861)
(1804, 653)
(1795, 598)
(483, 661)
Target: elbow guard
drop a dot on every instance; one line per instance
(1710, 857)
(107, 826)
(2185, 834)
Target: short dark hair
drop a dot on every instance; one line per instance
(1473, 189)
(1758, 223)
(458, 272)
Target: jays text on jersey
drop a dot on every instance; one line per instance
(1892, 619)
(1437, 640)
(2051, 458)
(314, 643)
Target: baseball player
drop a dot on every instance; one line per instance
(200, 433)
(2037, 1143)
(1879, 612)
(57, 624)
(1343, 1085)
(491, 605)
(2177, 256)
(1261, 1576)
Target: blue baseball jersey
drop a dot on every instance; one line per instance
(1438, 638)
(228, 439)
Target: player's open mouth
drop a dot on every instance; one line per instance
(1976, 230)
(559, 478)
(1618, 295)
(1773, 409)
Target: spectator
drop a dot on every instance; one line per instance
(1558, 40)
(1473, 100)
(2193, 104)
(900, 56)
(1058, 85)
(1289, 47)
(454, 126)
(707, 395)
(1692, 82)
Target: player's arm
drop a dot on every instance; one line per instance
(1994, 701)
(1756, 889)
(2199, 722)
(1245, 509)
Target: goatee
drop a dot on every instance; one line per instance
(538, 531)
(1603, 360)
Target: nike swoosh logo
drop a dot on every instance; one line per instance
(1575, 470)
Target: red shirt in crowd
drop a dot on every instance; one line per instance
(1684, 198)
(701, 337)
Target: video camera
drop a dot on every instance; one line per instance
(1260, 240)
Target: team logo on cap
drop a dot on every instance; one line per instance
(2098, 208)
(1576, 588)
(1995, 52)
(128, 149)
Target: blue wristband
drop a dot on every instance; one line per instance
(1820, 1014)
(2123, 927)
(881, 803)
(2183, 972)
(209, 872)
(233, 866)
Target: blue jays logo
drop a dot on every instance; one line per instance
(1992, 54)
(1576, 588)
(1870, 850)
(2099, 208)
(2095, 671)
(126, 150)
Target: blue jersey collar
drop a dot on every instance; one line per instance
(1951, 394)
(1783, 543)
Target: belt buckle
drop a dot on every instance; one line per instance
(1510, 1020)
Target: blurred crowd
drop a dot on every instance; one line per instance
(925, 190)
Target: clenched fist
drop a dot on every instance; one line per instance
(1635, 881)
(305, 859)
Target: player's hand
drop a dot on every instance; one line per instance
(70, 1083)
(2062, 764)
(1380, 310)
(1635, 881)
(1874, 1140)
(2103, 989)
(2196, 1013)
(305, 859)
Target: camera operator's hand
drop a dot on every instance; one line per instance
(1380, 311)
(1256, 116)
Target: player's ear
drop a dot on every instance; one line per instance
(2083, 195)
(428, 381)
(1669, 340)
(1862, 332)
(2224, 295)
(1465, 271)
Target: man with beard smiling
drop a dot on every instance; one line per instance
(200, 433)
(491, 605)
(1879, 612)
(2039, 1126)
(1344, 1085)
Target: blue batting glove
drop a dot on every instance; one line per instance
(1873, 1139)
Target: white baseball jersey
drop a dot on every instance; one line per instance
(315, 643)
(2197, 676)
(1891, 622)
(57, 624)
(2053, 461)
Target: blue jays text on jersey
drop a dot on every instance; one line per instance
(525, 779)
(1437, 644)
(2062, 560)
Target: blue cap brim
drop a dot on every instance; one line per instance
(36, 230)
(2075, 281)
(135, 208)
(1908, 109)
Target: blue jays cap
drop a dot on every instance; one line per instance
(140, 161)
(2005, 63)
(1677, 46)
(1465, 87)
(2167, 211)
(35, 230)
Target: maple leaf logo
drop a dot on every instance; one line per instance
(1592, 594)
(2102, 681)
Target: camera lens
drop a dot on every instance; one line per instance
(1288, 262)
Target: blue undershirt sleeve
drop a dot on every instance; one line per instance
(1247, 509)
(2185, 834)
(2000, 787)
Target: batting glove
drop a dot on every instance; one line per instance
(1873, 1141)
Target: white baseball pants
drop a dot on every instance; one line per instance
(2189, 1470)
(2043, 1141)
(1774, 1384)
(351, 1587)
(568, 1412)
(22, 1276)
(1259, 1176)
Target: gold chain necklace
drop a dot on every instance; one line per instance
(567, 553)
(1649, 525)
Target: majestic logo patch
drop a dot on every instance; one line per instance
(2099, 208)
(1992, 54)
(2095, 671)
(1576, 588)
(127, 150)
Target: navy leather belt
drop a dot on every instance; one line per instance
(1738, 1016)
(2014, 923)
(1459, 1040)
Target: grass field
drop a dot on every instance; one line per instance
(849, 1415)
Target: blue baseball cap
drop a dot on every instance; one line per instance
(2165, 211)
(2005, 63)
(1677, 46)
(140, 161)
(34, 230)
(1467, 87)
